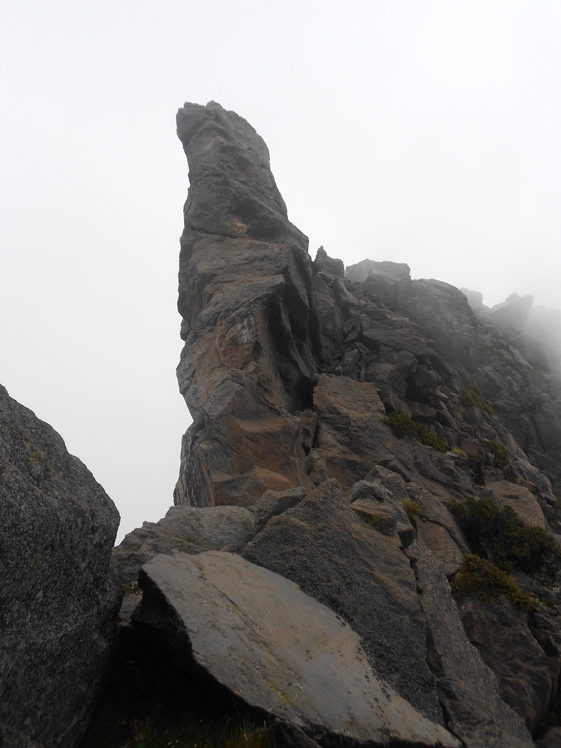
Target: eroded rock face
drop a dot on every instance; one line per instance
(277, 649)
(244, 295)
(59, 595)
(307, 385)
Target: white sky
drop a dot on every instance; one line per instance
(418, 131)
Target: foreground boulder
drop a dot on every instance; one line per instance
(59, 595)
(277, 649)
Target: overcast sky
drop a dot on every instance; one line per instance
(418, 131)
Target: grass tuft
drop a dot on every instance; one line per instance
(472, 397)
(402, 426)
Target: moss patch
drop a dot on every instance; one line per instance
(402, 426)
(478, 575)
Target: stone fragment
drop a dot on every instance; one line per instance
(329, 265)
(186, 529)
(367, 268)
(59, 595)
(273, 503)
(520, 499)
(277, 649)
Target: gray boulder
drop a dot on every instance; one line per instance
(277, 649)
(59, 595)
(186, 529)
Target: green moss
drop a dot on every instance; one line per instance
(500, 454)
(498, 533)
(478, 575)
(402, 426)
(130, 588)
(471, 397)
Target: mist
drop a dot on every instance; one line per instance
(425, 133)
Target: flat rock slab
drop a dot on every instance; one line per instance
(278, 649)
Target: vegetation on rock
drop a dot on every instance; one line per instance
(497, 533)
(472, 397)
(402, 426)
(476, 574)
(412, 509)
(500, 454)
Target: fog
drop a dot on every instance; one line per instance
(420, 132)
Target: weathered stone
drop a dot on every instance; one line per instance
(329, 265)
(500, 631)
(244, 294)
(277, 649)
(468, 689)
(362, 575)
(59, 595)
(350, 433)
(239, 448)
(520, 499)
(367, 268)
(437, 539)
(186, 529)
(273, 503)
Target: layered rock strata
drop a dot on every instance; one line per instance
(59, 595)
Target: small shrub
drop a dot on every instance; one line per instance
(500, 454)
(471, 397)
(402, 426)
(478, 575)
(129, 588)
(459, 453)
(498, 533)
(412, 509)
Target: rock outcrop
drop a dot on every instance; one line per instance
(295, 658)
(368, 437)
(59, 595)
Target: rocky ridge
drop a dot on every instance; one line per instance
(358, 417)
